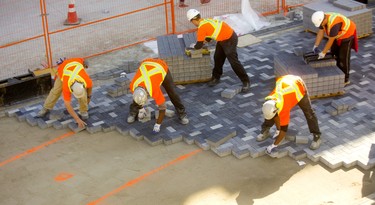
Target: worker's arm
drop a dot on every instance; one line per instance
(157, 125)
(319, 37)
(282, 129)
(328, 44)
(72, 113)
(199, 45)
(162, 109)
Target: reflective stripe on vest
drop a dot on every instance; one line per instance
(280, 91)
(216, 24)
(332, 17)
(146, 75)
(73, 74)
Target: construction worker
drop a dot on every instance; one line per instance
(342, 37)
(71, 78)
(289, 91)
(226, 46)
(150, 75)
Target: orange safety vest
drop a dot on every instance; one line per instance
(150, 75)
(289, 90)
(214, 29)
(347, 29)
(72, 70)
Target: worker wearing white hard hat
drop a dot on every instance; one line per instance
(71, 79)
(289, 91)
(342, 37)
(226, 46)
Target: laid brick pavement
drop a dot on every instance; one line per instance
(229, 126)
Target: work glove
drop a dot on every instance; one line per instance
(276, 134)
(142, 113)
(270, 148)
(321, 55)
(156, 128)
(315, 49)
(192, 45)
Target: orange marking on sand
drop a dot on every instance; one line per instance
(63, 176)
(34, 149)
(138, 179)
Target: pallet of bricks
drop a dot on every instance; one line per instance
(322, 77)
(355, 11)
(185, 69)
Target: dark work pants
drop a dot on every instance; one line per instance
(168, 85)
(228, 50)
(342, 54)
(312, 120)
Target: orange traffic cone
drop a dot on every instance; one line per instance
(72, 15)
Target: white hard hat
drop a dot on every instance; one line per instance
(140, 96)
(269, 109)
(191, 13)
(317, 18)
(78, 89)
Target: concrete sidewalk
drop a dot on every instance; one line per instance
(113, 169)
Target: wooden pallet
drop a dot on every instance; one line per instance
(327, 95)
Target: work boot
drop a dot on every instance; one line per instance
(315, 144)
(84, 115)
(184, 120)
(131, 119)
(245, 87)
(263, 136)
(213, 82)
(43, 112)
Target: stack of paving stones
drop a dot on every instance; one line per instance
(340, 106)
(229, 126)
(322, 77)
(122, 81)
(185, 69)
(354, 10)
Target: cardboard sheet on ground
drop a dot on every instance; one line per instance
(247, 40)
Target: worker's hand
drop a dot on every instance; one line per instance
(156, 128)
(321, 55)
(276, 134)
(315, 49)
(80, 123)
(142, 113)
(192, 45)
(270, 148)
(88, 99)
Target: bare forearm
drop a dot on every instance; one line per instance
(160, 117)
(71, 111)
(328, 44)
(319, 37)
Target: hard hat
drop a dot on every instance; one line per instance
(60, 61)
(140, 96)
(78, 89)
(191, 13)
(269, 109)
(317, 18)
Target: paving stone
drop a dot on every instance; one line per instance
(345, 135)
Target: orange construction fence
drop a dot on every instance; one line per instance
(34, 36)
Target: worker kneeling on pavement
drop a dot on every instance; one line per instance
(71, 78)
(151, 74)
(290, 91)
(226, 47)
